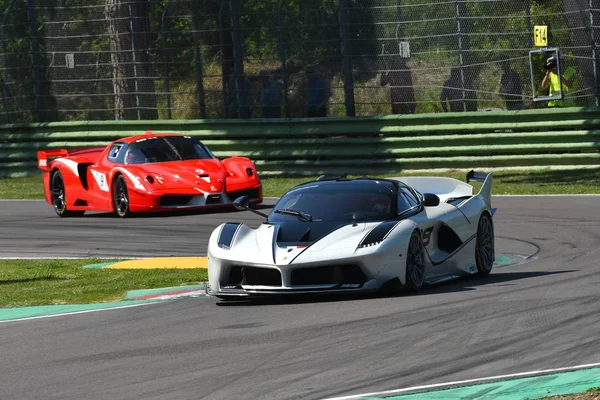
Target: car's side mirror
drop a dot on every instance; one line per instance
(242, 203)
(430, 200)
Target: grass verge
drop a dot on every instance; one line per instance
(590, 394)
(546, 181)
(44, 282)
(30, 187)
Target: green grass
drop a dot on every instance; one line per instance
(30, 187)
(44, 282)
(546, 181)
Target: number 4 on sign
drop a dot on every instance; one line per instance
(540, 35)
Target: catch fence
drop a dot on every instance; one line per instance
(65, 60)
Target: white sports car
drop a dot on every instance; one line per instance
(341, 235)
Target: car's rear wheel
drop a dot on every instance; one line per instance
(484, 247)
(121, 197)
(59, 198)
(415, 263)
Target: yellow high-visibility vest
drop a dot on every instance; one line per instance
(555, 91)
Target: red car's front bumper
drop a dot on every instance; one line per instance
(159, 200)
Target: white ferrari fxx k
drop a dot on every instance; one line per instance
(342, 235)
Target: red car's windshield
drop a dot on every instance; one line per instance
(166, 148)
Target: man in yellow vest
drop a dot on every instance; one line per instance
(551, 80)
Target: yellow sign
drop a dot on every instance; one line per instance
(540, 35)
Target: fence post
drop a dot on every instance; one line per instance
(3, 68)
(283, 58)
(238, 63)
(36, 61)
(166, 60)
(198, 59)
(222, 49)
(528, 21)
(347, 59)
(459, 14)
(594, 8)
(143, 78)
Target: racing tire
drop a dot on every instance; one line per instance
(415, 263)
(484, 246)
(121, 197)
(59, 199)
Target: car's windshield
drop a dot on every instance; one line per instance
(166, 148)
(338, 201)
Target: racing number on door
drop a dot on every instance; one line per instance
(426, 235)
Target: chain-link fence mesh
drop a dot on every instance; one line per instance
(186, 59)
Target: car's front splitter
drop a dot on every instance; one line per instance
(266, 291)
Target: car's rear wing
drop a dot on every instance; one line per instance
(44, 155)
(486, 188)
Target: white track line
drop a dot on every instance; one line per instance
(465, 382)
(77, 312)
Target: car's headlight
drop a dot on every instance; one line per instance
(377, 234)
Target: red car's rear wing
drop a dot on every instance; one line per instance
(44, 155)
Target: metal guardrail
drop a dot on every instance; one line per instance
(369, 145)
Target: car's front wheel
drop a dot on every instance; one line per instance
(121, 197)
(58, 193)
(415, 263)
(484, 247)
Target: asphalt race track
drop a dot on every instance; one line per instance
(32, 229)
(541, 314)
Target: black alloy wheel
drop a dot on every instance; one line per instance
(59, 198)
(484, 248)
(121, 197)
(415, 263)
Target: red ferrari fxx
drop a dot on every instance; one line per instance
(145, 173)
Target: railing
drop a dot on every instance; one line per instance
(368, 145)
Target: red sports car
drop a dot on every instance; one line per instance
(151, 172)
